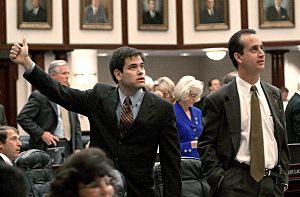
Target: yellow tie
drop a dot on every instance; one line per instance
(257, 158)
(66, 123)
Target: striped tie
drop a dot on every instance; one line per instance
(126, 117)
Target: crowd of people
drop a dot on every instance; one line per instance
(130, 121)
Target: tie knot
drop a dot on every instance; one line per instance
(253, 88)
(127, 101)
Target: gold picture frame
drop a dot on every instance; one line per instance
(100, 18)
(36, 15)
(217, 19)
(272, 17)
(153, 22)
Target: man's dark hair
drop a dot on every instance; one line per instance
(83, 167)
(209, 83)
(235, 44)
(3, 133)
(13, 181)
(117, 60)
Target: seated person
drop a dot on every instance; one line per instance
(87, 173)
(13, 181)
(188, 118)
(10, 144)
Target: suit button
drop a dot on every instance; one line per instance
(120, 142)
(116, 159)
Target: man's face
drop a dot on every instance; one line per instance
(133, 76)
(12, 146)
(35, 3)
(210, 4)
(102, 187)
(277, 3)
(96, 3)
(215, 85)
(63, 75)
(253, 59)
(151, 5)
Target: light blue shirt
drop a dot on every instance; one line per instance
(136, 101)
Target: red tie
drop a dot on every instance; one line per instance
(126, 117)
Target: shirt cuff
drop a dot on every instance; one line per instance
(28, 71)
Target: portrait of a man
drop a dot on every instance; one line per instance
(95, 12)
(210, 13)
(276, 11)
(35, 11)
(152, 15)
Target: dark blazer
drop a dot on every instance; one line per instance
(221, 136)
(292, 114)
(3, 120)
(99, 17)
(157, 19)
(134, 154)
(272, 14)
(41, 16)
(215, 18)
(39, 115)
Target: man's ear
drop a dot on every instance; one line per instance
(118, 74)
(238, 57)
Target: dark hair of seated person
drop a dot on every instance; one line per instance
(12, 182)
(82, 170)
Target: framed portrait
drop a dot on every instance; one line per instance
(276, 13)
(211, 14)
(153, 15)
(34, 14)
(96, 14)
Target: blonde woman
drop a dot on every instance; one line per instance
(188, 118)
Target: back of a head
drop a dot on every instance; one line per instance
(12, 182)
(229, 77)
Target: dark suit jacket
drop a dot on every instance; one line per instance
(39, 115)
(99, 17)
(272, 14)
(41, 16)
(147, 19)
(3, 120)
(292, 114)
(134, 154)
(215, 18)
(221, 136)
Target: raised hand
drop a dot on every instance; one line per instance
(19, 54)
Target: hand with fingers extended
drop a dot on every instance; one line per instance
(19, 54)
(49, 138)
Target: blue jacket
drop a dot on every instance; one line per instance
(188, 130)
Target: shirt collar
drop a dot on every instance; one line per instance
(134, 98)
(245, 86)
(6, 159)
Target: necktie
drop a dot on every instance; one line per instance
(126, 117)
(257, 160)
(66, 123)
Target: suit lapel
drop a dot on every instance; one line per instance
(110, 103)
(233, 114)
(146, 111)
(273, 101)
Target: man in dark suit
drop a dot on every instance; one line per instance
(152, 16)
(276, 12)
(133, 149)
(292, 114)
(43, 119)
(95, 13)
(224, 144)
(3, 120)
(10, 144)
(210, 14)
(36, 14)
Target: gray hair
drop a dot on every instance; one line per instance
(185, 85)
(55, 64)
